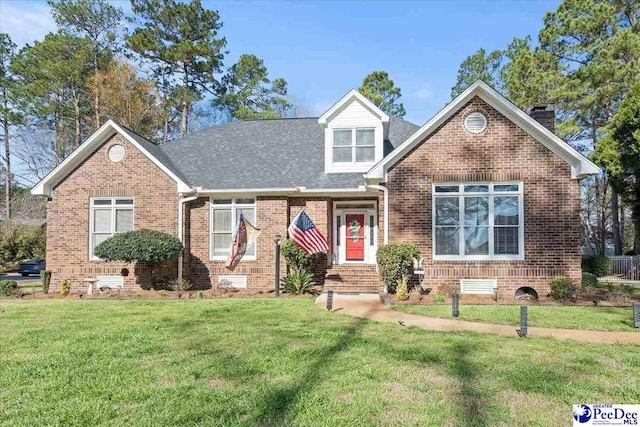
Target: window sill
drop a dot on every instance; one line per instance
(244, 258)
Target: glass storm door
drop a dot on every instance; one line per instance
(354, 237)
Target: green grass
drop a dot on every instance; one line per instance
(284, 362)
(567, 317)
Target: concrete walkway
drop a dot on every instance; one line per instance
(370, 307)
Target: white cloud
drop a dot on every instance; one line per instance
(25, 21)
(423, 93)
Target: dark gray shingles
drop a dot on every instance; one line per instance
(253, 154)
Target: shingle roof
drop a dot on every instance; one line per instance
(280, 153)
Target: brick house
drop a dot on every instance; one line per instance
(489, 194)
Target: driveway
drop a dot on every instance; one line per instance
(19, 278)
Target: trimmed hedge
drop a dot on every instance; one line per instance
(596, 264)
(140, 246)
(563, 289)
(7, 287)
(395, 262)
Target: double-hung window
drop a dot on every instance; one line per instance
(109, 215)
(478, 221)
(224, 220)
(353, 146)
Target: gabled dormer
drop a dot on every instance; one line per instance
(354, 134)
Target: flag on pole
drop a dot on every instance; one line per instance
(245, 235)
(304, 233)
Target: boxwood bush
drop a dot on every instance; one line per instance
(7, 287)
(395, 262)
(296, 258)
(563, 289)
(589, 280)
(596, 264)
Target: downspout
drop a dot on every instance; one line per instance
(385, 195)
(181, 203)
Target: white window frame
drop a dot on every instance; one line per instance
(113, 208)
(491, 194)
(233, 206)
(354, 133)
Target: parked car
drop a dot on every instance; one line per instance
(32, 266)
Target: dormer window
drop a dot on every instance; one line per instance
(353, 146)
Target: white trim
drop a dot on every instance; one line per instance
(107, 130)
(460, 194)
(348, 97)
(339, 254)
(233, 206)
(580, 165)
(113, 208)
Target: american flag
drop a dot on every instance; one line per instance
(304, 233)
(245, 234)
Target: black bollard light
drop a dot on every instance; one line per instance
(455, 309)
(329, 300)
(636, 313)
(277, 238)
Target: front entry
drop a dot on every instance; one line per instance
(354, 237)
(355, 232)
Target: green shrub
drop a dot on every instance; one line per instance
(395, 261)
(148, 247)
(438, 298)
(402, 289)
(563, 289)
(626, 289)
(296, 258)
(589, 280)
(598, 265)
(7, 287)
(45, 279)
(19, 242)
(299, 282)
(65, 288)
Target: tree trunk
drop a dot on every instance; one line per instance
(78, 123)
(636, 216)
(7, 158)
(615, 221)
(96, 97)
(184, 123)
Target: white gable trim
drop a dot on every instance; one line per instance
(580, 165)
(107, 130)
(351, 95)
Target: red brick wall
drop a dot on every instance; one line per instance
(503, 152)
(156, 204)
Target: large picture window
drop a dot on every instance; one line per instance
(109, 216)
(352, 146)
(478, 221)
(224, 220)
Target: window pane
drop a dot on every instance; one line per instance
(245, 201)
(365, 137)
(447, 211)
(222, 220)
(124, 220)
(249, 214)
(371, 231)
(365, 154)
(222, 244)
(124, 201)
(341, 155)
(338, 225)
(476, 241)
(97, 238)
(102, 202)
(447, 188)
(476, 211)
(505, 241)
(102, 220)
(505, 210)
(447, 241)
(342, 137)
(222, 201)
(481, 188)
(506, 187)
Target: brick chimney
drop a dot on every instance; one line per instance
(544, 115)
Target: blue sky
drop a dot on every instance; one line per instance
(325, 48)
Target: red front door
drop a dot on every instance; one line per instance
(354, 237)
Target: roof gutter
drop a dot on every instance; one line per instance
(181, 204)
(385, 195)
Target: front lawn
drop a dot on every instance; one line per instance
(567, 317)
(284, 362)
